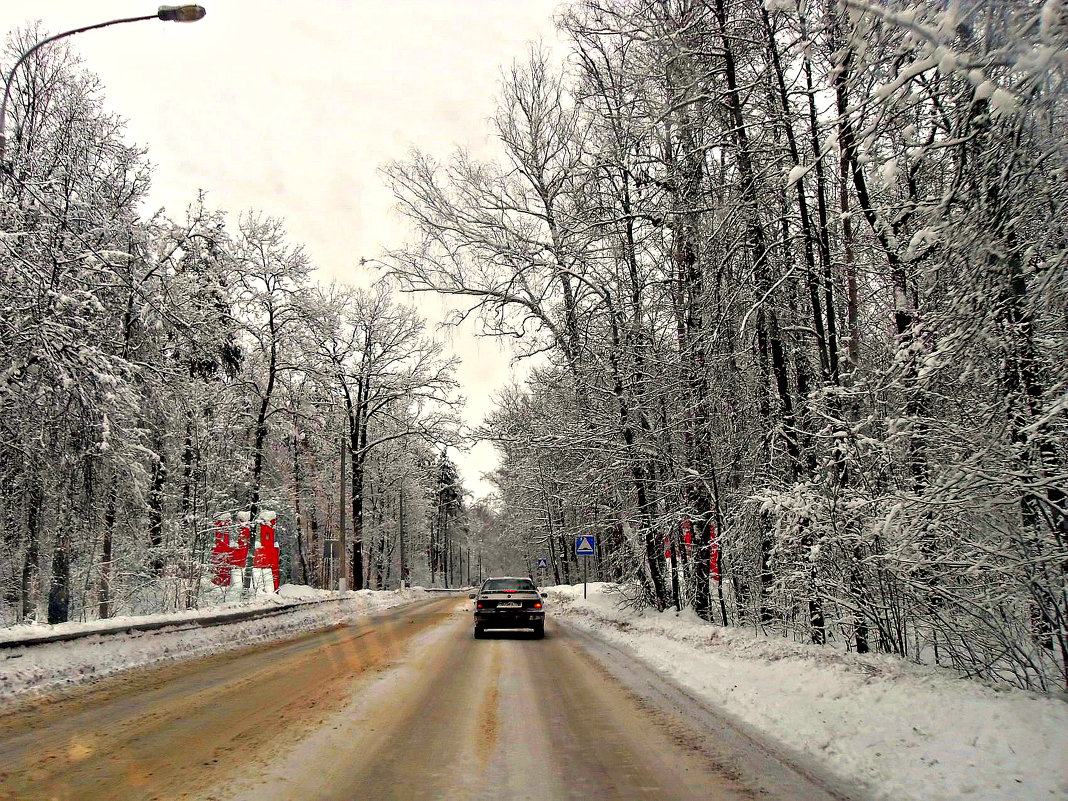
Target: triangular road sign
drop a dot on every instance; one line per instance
(584, 546)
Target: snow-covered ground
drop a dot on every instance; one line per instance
(42, 668)
(896, 729)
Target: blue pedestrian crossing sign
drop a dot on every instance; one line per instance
(541, 561)
(584, 545)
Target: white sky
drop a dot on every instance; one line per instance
(291, 107)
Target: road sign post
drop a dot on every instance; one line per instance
(542, 564)
(585, 545)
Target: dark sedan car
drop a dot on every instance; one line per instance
(509, 603)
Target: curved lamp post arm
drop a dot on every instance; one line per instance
(189, 13)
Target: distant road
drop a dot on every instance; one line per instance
(404, 705)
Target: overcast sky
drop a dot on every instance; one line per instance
(291, 107)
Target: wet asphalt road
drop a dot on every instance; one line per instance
(405, 705)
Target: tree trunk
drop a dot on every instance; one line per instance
(400, 534)
(812, 278)
(316, 542)
(298, 491)
(767, 319)
(59, 590)
(155, 511)
(31, 562)
(357, 458)
(191, 576)
(104, 593)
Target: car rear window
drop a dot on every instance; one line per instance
(508, 585)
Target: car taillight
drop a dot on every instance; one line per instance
(537, 604)
(480, 604)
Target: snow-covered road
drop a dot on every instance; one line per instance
(405, 705)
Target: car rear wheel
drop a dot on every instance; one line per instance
(478, 632)
(539, 630)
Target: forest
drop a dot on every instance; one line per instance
(791, 279)
(160, 374)
(786, 277)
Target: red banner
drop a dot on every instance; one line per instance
(713, 562)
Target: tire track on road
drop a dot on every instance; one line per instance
(165, 732)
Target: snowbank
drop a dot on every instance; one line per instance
(211, 606)
(42, 668)
(899, 730)
(303, 592)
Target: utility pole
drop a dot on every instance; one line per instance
(343, 579)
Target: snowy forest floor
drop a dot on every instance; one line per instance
(45, 668)
(895, 729)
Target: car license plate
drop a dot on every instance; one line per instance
(508, 605)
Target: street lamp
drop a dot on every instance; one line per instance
(186, 13)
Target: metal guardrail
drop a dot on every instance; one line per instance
(206, 621)
(447, 589)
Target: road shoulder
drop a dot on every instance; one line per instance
(875, 725)
(763, 766)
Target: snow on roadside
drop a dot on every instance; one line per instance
(44, 668)
(898, 730)
(287, 593)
